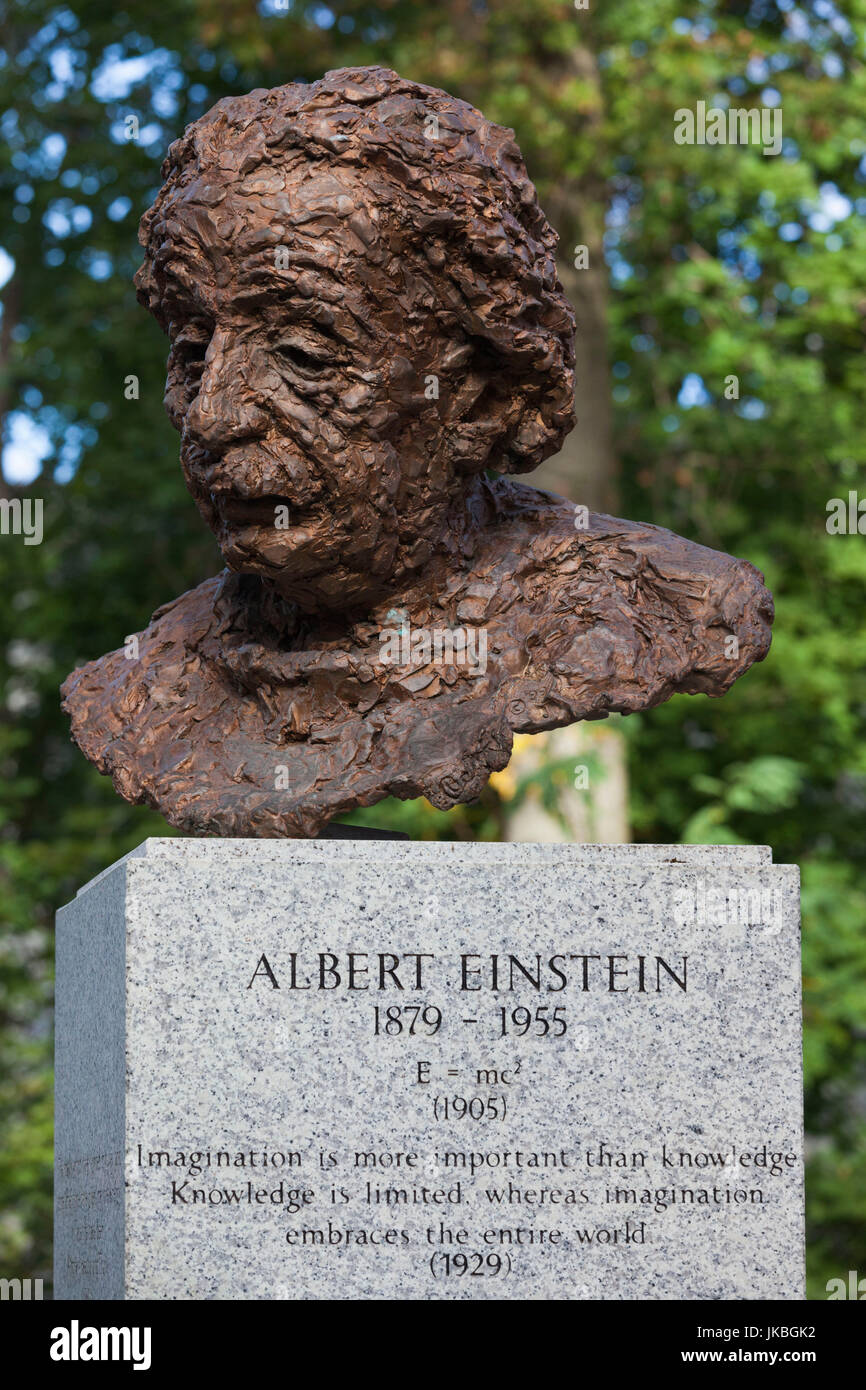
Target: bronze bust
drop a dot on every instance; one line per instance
(367, 336)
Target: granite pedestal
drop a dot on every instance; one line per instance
(383, 1070)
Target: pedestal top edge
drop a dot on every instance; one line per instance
(179, 849)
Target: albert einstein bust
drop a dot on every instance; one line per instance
(367, 337)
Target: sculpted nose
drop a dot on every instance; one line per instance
(224, 411)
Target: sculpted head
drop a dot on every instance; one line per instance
(361, 296)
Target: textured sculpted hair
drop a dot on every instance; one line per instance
(459, 212)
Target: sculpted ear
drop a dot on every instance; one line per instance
(546, 417)
(509, 422)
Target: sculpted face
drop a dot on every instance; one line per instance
(362, 320)
(297, 380)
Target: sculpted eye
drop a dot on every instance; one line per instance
(302, 361)
(191, 344)
(186, 365)
(193, 352)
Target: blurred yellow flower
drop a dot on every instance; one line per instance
(504, 783)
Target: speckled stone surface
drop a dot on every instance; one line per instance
(642, 1140)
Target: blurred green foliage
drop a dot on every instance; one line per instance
(723, 262)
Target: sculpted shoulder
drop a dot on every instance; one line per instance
(615, 615)
(126, 704)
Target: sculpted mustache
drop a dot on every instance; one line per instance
(251, 474)
(269, 510)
